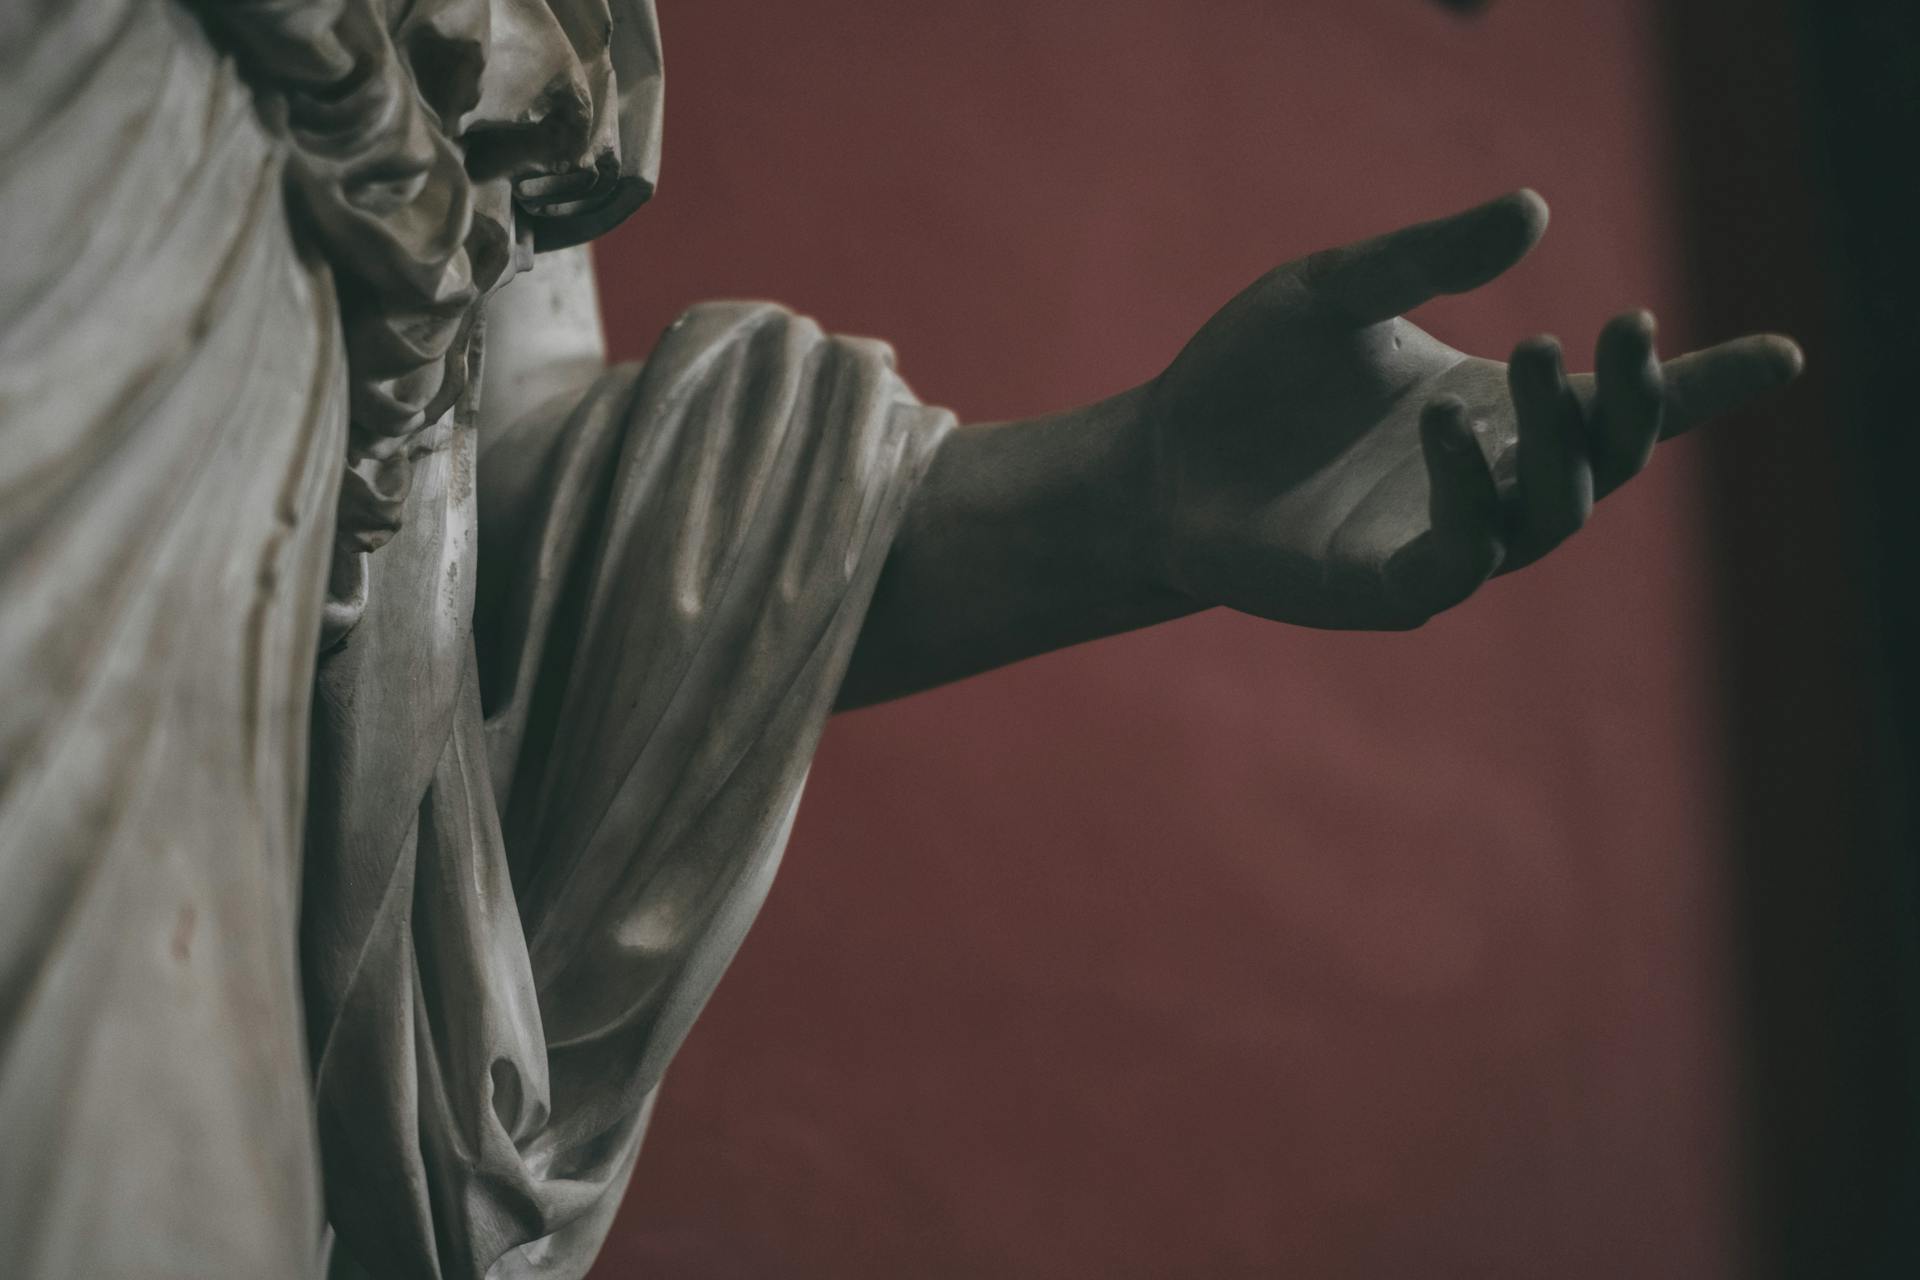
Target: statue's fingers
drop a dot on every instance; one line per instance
(1461, 498)
(1705, 384)
(1461, 547)
(1555, 480)
(1628, 403)
(1389, 275)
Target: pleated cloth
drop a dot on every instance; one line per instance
(535, 844)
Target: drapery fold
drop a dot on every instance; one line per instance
(173, 397)
(458, 896)
(497, 974)
(413, 202)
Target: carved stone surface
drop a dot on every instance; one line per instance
(530, 841)
(394, 750)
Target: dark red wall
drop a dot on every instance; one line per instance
(1222, 949)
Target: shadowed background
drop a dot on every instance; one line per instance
(1228, 949)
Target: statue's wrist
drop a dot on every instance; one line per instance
(1148, 465)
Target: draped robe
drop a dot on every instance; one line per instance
(393, 931)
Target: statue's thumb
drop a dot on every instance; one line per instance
(1390, 275)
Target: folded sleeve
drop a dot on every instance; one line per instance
(680, 562)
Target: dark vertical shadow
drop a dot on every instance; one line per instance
(1800, 133)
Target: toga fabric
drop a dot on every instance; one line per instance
(398, 936)
(534, 843)
(172, 430)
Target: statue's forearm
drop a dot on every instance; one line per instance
(1025, 537)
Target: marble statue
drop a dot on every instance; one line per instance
(402, 712)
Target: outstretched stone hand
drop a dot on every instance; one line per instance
(1317, 459)
(1309, 457)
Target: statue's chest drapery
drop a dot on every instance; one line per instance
(173, 408)
(497, 924)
